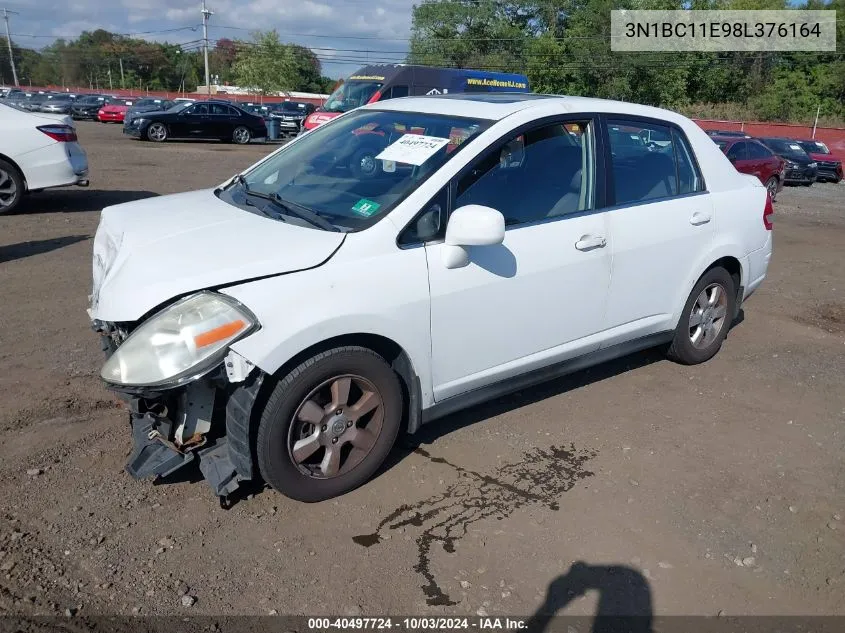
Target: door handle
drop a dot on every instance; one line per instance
(699, 218)
(589, 242)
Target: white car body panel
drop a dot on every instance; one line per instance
(43, 161)
(191, 233)
(519, 306)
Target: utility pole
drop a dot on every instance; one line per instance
(6, 13)
(205, 15)
(122, 84)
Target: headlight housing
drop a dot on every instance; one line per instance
(813, 165)
(180, 343)
(790, 165)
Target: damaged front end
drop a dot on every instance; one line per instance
(200, 416)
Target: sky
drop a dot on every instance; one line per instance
(343, 33)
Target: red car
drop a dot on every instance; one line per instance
(750, 156)
(114, 110)
(830, 166)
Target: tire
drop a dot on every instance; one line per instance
(772, 187)
(836, 180)
(683, 350)
(241, 135)
(363, 163)
(284, 419)
(156, 132)
(807, 184)
(11, 187)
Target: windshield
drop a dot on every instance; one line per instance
(721, 144)
(351, 95)
(90, 100)
(786, 147)
(817, 147)
(349, 171)
(290, 106)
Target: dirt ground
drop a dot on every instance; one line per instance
(682, 490)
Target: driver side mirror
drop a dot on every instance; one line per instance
(471, 225)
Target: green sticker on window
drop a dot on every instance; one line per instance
(366, 207)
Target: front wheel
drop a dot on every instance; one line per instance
(364, 163)
(772, 187)
(329, 424)
(157, 132)
(241, 135)
(706, 318)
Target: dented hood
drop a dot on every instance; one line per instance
(153, 250)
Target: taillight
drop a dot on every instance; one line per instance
(768, 212)
(60, 133)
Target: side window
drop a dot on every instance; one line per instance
(643, 161)
(689, 180)
(737, 151)
(395, 92)
(758, 150)
(218, 109)
(199, 108)
(543, 173)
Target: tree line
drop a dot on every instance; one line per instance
(562, 45)
(564, 48)
(100, 60)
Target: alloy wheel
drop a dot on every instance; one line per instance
(157, 132)
(708, 316)
(241, 135)
(772, 186)
(8, 189)
(336, 426)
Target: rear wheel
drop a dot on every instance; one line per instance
(772, 187)
(157, 132)
(241, 135)
(706, 318)
(11, 187)
(329, 424)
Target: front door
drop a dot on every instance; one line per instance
(539, 297)
(662, 222)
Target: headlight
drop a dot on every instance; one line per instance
(790, 165)
(813, 165)
(179, 343)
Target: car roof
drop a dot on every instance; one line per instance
(497, 106)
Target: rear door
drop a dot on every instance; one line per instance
(660, 222)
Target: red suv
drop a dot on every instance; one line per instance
(830, 166)
(750, 156)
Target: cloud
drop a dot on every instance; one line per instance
(349, 32)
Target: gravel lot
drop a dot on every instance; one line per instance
(682, 490)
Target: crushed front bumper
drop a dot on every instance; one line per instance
(207, 421)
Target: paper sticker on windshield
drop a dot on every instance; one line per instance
(366, 207)
(794, 146)
(413, 149)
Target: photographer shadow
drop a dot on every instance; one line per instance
(624, 600)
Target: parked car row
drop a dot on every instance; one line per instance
(779, 161)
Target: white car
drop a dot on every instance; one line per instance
(404, 261)
(37, 151)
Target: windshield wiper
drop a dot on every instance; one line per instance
(288, 207)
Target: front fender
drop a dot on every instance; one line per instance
(303, 309)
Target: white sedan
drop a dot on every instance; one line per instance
(37, 151)
(409, 259)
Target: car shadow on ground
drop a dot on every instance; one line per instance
(20, 250)
(431, 432)
(76, 200)
(624, 595)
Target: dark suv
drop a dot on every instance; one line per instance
(800, 168)
(87, 106)
(290, 115)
